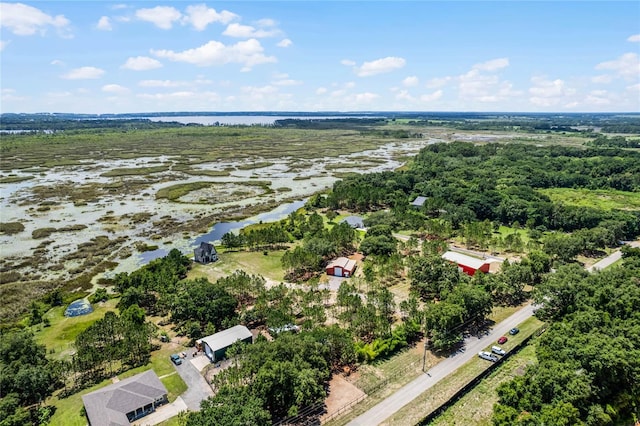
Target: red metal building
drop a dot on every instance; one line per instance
(467, 264)
(341, 267)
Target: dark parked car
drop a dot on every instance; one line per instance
(502, 340)
(176, 359)
(514, 331)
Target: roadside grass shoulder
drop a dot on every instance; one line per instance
(476, 407)
(431, 399)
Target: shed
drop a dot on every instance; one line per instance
(205, 253)
(467, 264)
(419, 201)
(341, 267)
(354, 221)
(216, 345)
(125, 401)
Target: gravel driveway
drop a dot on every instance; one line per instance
(197, 387)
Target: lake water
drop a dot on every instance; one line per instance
(242, 120)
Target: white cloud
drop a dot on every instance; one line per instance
(119, 6)
(598, 97)
(161, 83)
(104, 24)
(246, 31)
(492, 65)
(3, 44)
(161, 16)
(547, 93)
(604, 78)
(634, 38)
(431, 96)
(57, 62)
(380, 66)
(404, 95)
(83, 73)
(634, 88)
(25, 20)
(435, 83)
(347, 62)
(626, 66)
(247, 53)
(287, 82)
(411, 81)
(115, 88)
(321, 90)
(266, 22)
(284, 43)
(365, 98)
(141, 63)
(166, 96)
(200, 16)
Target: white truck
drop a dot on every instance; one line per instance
(488, 356)
(497, 350)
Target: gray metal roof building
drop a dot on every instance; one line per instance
(125, 401)
(216, 345)
(354, 221)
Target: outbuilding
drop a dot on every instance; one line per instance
(418, 202)
(467, 264)
(341, 267)
(126, 401)
(215, 346)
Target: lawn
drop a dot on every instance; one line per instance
(68, 410)
(61, 334)
(606, 199)
(268, 266)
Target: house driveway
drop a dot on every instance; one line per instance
(197, 387)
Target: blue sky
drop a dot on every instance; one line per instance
(147, 56)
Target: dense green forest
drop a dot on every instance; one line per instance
(588, 370)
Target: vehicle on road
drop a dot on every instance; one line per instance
(497, 350)
(175, 358)
(488, 356)
(514, 331)
(502, 340)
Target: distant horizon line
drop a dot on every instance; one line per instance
(315, 113)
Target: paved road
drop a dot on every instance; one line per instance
(472, 345)
(197, 387)
(612, 258)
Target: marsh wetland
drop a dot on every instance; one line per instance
(76, 205)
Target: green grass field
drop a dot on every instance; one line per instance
(61, 334)
(255, 263)
(597, 198)
(68, 410)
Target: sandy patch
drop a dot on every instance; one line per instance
(341, 394)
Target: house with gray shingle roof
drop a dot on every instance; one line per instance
(354, 221)
(205, 253)
(125, 401)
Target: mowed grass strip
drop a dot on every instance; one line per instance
(606, 199)
(476, 407)
(438, 394)
(268, 266)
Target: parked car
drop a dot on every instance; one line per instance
(497, 350)
(488, 356)
(502, 340)
(514, 331)
(175, 358)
